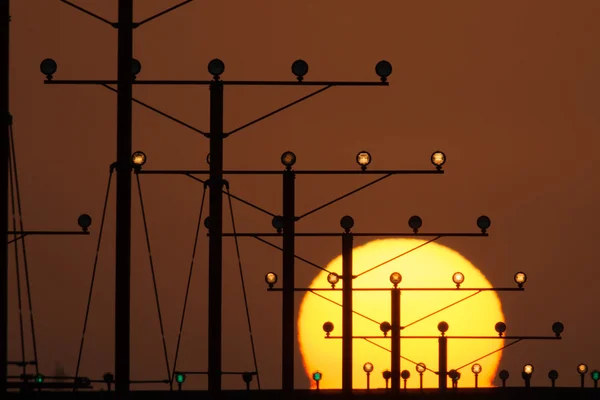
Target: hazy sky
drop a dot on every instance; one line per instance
(508, 90)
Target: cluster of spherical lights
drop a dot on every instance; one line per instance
(528, 369)
(216, 67)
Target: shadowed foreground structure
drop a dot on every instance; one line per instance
(467, 393)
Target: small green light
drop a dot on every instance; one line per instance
(180, 378)
(595, 375)
(317, 376)
(39, 378)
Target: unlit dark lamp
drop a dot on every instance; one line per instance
(216, 67)
(299, 68)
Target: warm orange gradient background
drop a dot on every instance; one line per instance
(509, 90)
(431, 266)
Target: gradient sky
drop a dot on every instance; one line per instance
(508, 90)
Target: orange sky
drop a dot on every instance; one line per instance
(507, 89)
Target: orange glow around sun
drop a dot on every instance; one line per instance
(431, 266)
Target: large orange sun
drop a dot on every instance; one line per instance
(432, 265)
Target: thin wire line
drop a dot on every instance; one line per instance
(19, 295)
(160, 320)
(338, 304)
(400, 255)
(298, 257)
(164, 12)
(187, 290)
(89, 301)
(442, 309)
(237, 249)
(345, 195)
(83, 10)
(156, 110)
(489, 354)
(404, 358)
(235, 197)
(279, 109)
(25, 263)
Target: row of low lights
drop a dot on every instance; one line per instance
(395, 278)
(443, 327)
(180, 379)
(288, 159)
(476, 369)
(363, 159)
(216, 67)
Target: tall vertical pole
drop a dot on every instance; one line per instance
(215, 238)
(4, 148)
(347, 239)
(288, 319)
(395, 339)
(123, 225)
(443, 362)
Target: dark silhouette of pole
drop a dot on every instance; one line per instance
(347, 239)
(123, 224)
(443, 362)
(395, 339)
(215, 240)
(4, 148)
(288, 319)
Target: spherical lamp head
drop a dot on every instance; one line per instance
(452, 374)
(136, 67)
(528, 369)
(84, 221)
(271, 279)
(595, 375)
(476, 369)
(216, 67)
(553, 374)
(368, 367)
(582, 368)
(317, 376)
(328, 327)
(387, 374)
(520, 279)
(405, 374)
(558, 328)
(288, 159)
(333, 279)
(395, 278)
(504, 374)
(299, 68)
(383, 69)
(415, 222)
(363, 158)
(458, 278)
(48, 68)
(483, 223)
(108, 378)
(207, 222)
(347, 222)
(39, 378)
(179, 377)
(277, 223)
(443, 327)
(438, 159)
(421, 368)
(500, 328)
(138, 158)
(247, 377)
(385, 327)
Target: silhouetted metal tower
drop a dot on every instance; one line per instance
(4, 151)
(123, 223)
